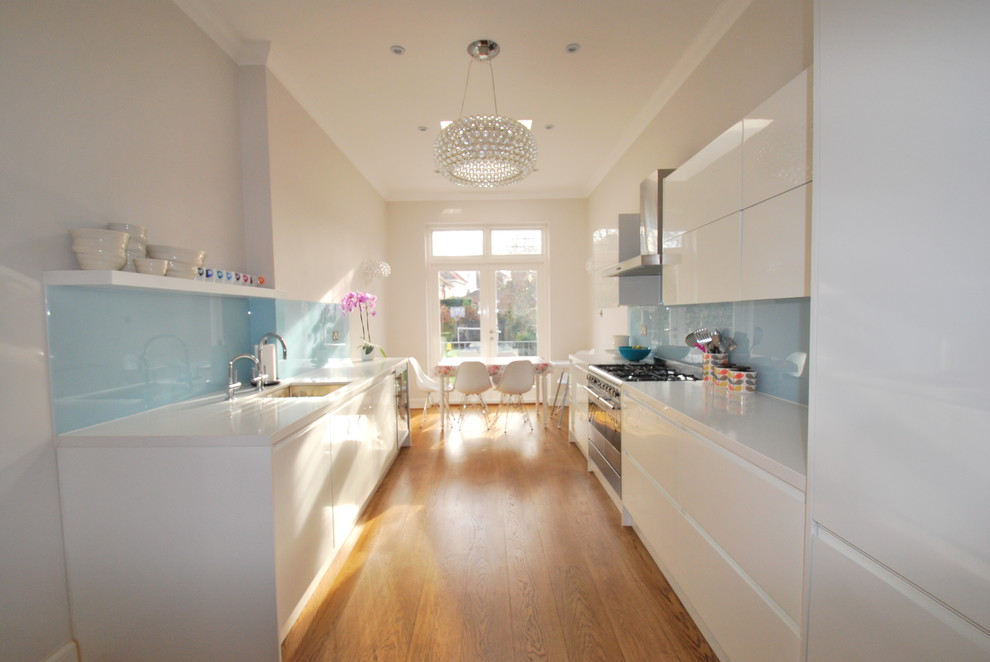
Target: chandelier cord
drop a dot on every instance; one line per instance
(467, 82)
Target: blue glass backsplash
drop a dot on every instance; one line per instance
(115, 351)
(772, 338)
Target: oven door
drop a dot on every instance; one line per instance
(605, 449)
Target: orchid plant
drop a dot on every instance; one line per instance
(365, 303)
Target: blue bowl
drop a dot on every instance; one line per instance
(633, 354)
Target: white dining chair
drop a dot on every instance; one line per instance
(518, 378)
(472, 379)
(431, 387)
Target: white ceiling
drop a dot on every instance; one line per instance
(335, 57)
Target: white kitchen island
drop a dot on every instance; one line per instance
(198, 531)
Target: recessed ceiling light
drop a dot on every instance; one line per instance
(421, 128)
(548, 127)
(572, 48)
(397, 50)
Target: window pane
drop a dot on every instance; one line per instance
(515, 293)
(517, 242)
(460, 324)
(455, 243)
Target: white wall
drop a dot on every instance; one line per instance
(112, 111)
(767, 46)
(407, 248)
(326, 218)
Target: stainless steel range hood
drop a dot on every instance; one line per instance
(642, 255)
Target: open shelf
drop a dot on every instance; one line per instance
(129, 279)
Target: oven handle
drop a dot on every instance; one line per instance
(604, 404)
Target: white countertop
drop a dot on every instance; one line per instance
(769, 432)
(250, 420)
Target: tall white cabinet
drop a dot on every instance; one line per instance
(900, 429)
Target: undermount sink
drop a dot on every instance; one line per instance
(304, 390)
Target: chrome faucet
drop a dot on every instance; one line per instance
(264, 339)
(232, 385)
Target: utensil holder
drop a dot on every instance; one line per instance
(710, 361)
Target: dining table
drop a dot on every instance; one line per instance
(446, 370)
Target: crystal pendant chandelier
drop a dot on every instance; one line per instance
(484, 150)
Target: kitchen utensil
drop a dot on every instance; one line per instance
(703, 336)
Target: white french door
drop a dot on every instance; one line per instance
(489, 310)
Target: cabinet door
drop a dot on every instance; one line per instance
(577, 404)
(706, 264)
(355, 466)
(707, 187)
(303, 506)
(776, 247)
(776, 154)
(653, 514)
(862, 612)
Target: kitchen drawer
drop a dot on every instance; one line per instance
(654, 515)
(651, 440)
(756, 518)
(744, 625)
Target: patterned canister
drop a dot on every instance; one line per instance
(709, 361)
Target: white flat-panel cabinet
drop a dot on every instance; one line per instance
(758, 247)
(899, 439)
(707, 187)
(728, 535)
(775, 256)
(362, 442)
(776, 154)
(706, 264)
(303, 503)
(205, 552)
(577, 407)
(862, 612)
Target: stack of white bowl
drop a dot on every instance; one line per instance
(137, 245)
(96, 248)
(182, 262)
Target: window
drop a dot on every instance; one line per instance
(487, 292)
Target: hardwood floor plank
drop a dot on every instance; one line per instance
(489, 546)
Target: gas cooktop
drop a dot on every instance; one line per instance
(643, 372)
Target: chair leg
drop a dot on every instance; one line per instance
(484, 410)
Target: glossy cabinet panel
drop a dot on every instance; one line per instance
(747, 173)
(577, 408)
(654, 515)
(729, 536)
(777, 143)
(303, 503)
(775, 260)
(707, 187)
(744, 625)
(705, 265)
(362, 443)
(864, 613)
(652, 440)
(756, 518)
(900, 438)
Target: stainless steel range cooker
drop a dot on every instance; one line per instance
(604, 388)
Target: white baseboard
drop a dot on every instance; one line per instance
(67, 653)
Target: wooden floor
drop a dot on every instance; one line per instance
(492, 546)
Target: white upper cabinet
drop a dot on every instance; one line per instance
(707, 187)
(706, 269)
(737, 215)
(775, 259)
(776, 152)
